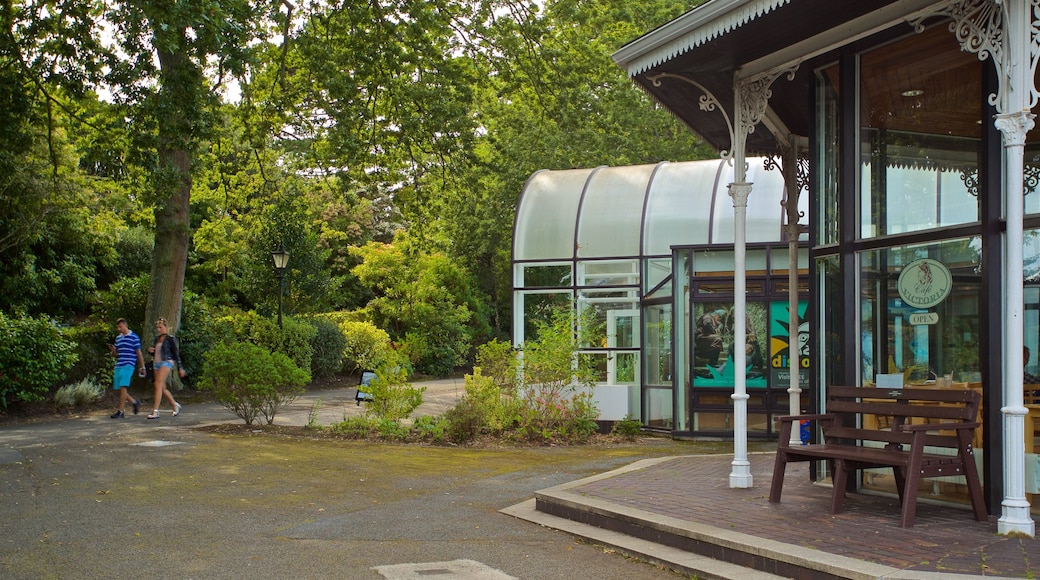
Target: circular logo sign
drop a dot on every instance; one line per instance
(924, 283)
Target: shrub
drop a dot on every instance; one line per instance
(359, 427)
(292, 340)
(327, 347)
(251, 381)
(366, 346)
(627, 428)
(547, 397)
(465, 421)
(391, 430)
(78, 394)
(35, 355)
(93, 359)
(198, 333)
(125, 298)
(498, 361)
(392, 397)
(428, 428)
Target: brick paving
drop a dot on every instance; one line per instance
(944, 538)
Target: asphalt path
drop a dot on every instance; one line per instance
(93, 497)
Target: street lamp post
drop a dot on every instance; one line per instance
(281, 260)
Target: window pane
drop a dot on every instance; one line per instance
(913, 344)
(546, 276)
(920, 131)
(713, 344)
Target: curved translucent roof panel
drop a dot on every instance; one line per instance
(546, 215)
(613, 197)
(642, 210)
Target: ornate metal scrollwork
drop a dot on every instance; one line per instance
(707, 102)
(980, 27)
(970, 179)
(754, 93)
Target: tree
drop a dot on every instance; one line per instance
(423, 300)
(163, 62)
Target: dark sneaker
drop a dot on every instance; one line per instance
(137, 405)
(117, 415)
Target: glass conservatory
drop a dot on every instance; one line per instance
(648, 250)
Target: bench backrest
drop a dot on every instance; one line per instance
(903, 407)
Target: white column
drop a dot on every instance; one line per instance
(740, 476)
(793, 191)
(1014, 516)
(1014, 121)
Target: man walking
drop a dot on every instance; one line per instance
(127, 351)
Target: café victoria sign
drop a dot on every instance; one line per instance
(924, 283)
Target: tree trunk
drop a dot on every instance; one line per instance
(180, 90)
(170, 254)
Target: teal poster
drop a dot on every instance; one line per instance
(780, 345)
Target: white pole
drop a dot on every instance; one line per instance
(740, 476)
(791, 186)
(1014, 121)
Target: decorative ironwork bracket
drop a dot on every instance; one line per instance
(981, 27)
(707, 102)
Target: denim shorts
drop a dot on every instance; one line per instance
(163, 363)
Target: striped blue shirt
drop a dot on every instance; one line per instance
(127, 346)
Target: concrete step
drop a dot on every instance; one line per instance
(682, 561)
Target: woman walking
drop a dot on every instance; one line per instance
(165, 353)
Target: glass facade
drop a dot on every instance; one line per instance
(906, 275)
(642, 249)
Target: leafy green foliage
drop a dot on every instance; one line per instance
(292, 340)
(35, 356)
(79, 394)
(392, 397)
(550, 398)
(250, 381)
(366, 346)
(327, 346)
(432, 429)
(93, 359)
(424, 301)
(357, 427)
(627, 428)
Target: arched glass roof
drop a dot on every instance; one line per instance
(642, 210)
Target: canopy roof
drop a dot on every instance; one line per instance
(712, 42)
(642, 210)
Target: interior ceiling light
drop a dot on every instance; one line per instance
(912, 93)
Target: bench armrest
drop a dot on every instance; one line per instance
(938, 426)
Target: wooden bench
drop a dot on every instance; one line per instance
(919, 422)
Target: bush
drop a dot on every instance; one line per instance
(627, 428)
(35, 355)
(78, 394)
(359, 427)
(498, 361)
(433, 429)
(198, 332)
(93, 359)
(251, 381)
(327, 347)
(366, 346)
(545, 398)
(391, 430)
(125, 298)
(392, 397)
(465, 421)
(292, 340)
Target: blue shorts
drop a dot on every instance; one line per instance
(163, 363)
(121, 378)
